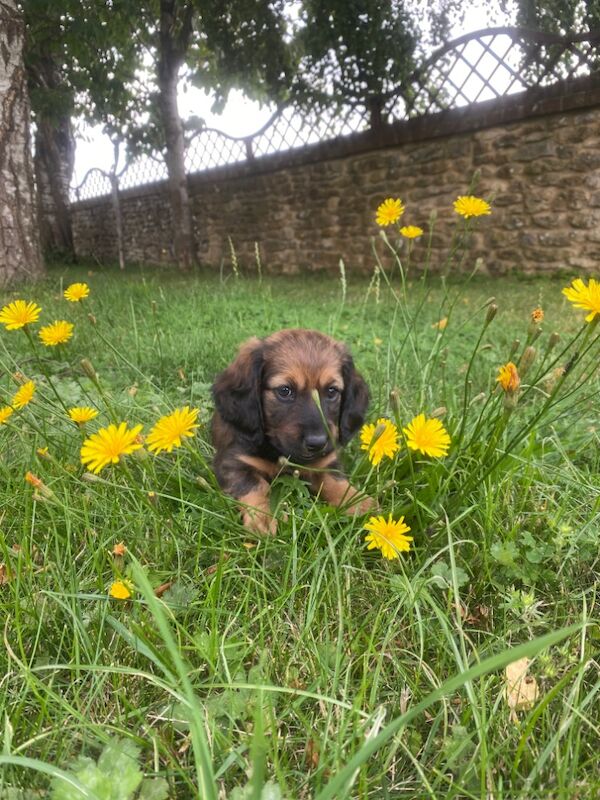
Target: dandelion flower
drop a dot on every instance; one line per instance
(389, 536)
(537, 315)
(42, 452)
(119, 549)
(587, 297)
(379, 440)
(76, 292)
(24, 395)
(33, 480)
(5, 413)
(108, 445)
(411, 231)
(428, 436)
(468, 206)
(169, 430)
(441, 324)
(82, 414)
(58, 332)
(389, 212)
(18, 314)
(508, 377)
(121, 590)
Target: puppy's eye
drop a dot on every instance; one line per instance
(332, 392)
(284, 392)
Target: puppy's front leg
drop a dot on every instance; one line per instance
(333, 486)
(251, 490)
(256, 511)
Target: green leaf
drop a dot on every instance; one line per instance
(506, 553)
(442, 575)
(154, 789)
(116, 776)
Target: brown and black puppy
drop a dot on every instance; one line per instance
(266, 409)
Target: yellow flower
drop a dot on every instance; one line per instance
(108, 445)
(58, 332)
(18, 314)
(508, 377)
(411, 231)
(537, 315)
(121, 590)
(24, 395)
(5, 413)
(389, 536)
(42, 452)
(169, 430)
(76, 292)
(441, 324)
(119, 549)
(469, 206)
(389, 212)
(583, 296)
(33, 480)
(380, 440)
(82, 414)
(428, 436)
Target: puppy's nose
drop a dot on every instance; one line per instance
(315, 442)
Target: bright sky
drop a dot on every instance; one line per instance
(241, 116)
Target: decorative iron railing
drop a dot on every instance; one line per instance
(478, 66)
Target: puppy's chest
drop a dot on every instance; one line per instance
(271, 469)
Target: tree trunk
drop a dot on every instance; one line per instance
(20, 253)
(54, 159)
(174, 39)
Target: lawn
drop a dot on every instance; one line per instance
(304, 665)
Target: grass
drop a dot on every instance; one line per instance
(301, 666)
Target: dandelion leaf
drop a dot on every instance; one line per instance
(116, 776)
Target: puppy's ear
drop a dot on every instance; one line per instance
(355, 401)
(237, 390)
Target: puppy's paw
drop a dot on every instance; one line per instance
(259, 521)
(362, 506)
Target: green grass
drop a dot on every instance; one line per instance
(303, 660)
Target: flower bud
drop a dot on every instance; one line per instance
(514, 347)
(152, 498)
(439, 413)
(89, 477)
(92, 319)
(491, 313)
(527, 360)
(554, 340)
(86, 366)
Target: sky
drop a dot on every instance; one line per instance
(241, 116)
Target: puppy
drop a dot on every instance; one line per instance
(266, 409)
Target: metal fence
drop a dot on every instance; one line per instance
(476, 67)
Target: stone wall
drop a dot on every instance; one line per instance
(537, 154)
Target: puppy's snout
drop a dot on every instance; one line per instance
(315, 442)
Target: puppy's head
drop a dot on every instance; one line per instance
(269, 394)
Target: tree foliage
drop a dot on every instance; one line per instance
(559, 16)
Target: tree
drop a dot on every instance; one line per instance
(20, 254)
(52, 101)
(559, 16)
(221, 43)
(81, 61)
(355, 53)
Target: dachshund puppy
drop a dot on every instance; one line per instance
(266, 409)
